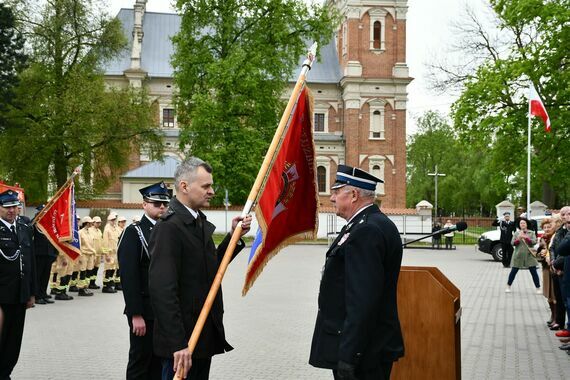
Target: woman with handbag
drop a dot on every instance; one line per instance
(523, 255)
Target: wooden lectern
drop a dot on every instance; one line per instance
(430, 314)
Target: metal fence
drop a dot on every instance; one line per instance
(415, 226)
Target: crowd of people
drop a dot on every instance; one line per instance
(523, 249)
(445, 232)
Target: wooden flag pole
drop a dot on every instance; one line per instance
(251, 199)
(40, 214)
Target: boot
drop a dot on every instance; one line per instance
(118, 285)
(54, 291)
(84, 293)
(109, 287)
(92, 285)
(63, 296)
(73, 288)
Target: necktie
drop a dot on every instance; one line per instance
(13, 228)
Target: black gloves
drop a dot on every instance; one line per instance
(345, 371)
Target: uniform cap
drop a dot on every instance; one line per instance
(347, 175)
(97, 219)
(9, 198)
(86, 219)
(121, 219)
(156, 192)
(506, 213)
(112, 216)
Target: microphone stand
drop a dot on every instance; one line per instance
(438, 232)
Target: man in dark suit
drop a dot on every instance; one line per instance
(17, 280)
(134, 260)
(184, 262)
(507, 227)
(357, 332)
(45, 254)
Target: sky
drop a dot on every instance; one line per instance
(428, 38)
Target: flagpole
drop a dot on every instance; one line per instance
(252, 198)
(528, 213)
(46, 207)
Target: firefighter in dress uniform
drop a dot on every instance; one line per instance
(111, 235)
(17, 280)
(134, 260)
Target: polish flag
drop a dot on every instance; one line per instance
(536, 107)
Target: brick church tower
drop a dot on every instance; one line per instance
(370, 115)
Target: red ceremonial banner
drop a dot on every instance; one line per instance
(57, 222)
(288, 208)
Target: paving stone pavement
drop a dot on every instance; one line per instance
(503, 336)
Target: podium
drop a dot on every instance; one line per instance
(430, 314)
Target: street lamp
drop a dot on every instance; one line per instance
(435, 175)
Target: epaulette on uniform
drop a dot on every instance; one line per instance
(169, 212)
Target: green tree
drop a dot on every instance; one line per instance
(432, 145)
(232, 63)
(64, 115)
(12, 57)
(531, 45)
(466, 188)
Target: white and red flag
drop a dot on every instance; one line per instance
(536, 107)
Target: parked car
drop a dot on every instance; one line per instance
(489, 242)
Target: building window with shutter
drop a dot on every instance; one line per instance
(376, 124)
(322, 179)
(168, 118)
(319, 122)
(376, 166)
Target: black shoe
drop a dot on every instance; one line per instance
(47, 297)
(118, 286)
(565, 347)
(48, 300)
(73, 288)
(41, 301)
(108, 289)
(84, 293)
(63, 297)
(93, 286)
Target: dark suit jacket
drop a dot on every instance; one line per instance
(134, 261)
(17, 287)
(183, 264)
(357, 321)
(42, 246)
(506, 228)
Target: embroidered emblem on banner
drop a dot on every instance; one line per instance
(289, 177)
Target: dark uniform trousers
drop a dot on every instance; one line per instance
(11, 340)
(382, 372)
(143, 365)
(43, 270)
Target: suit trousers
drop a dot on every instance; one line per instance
(507, 254)
(143, 364)
(200, 369)
(43, 270)
(11, 339)
(382, 372)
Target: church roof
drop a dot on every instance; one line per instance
(155, 169)
(157, 49)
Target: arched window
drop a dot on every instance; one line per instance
(377, 34)
(377, 120)
(322, 179)
(376, 165)
(377, 29)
